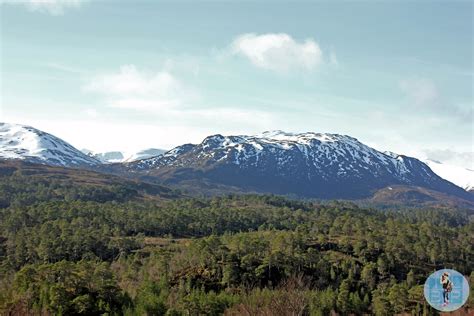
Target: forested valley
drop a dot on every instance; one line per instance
(69, 249)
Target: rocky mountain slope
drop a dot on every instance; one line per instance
(306, 164)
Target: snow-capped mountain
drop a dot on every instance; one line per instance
(106, 157)
(121, 156)
(306, 164)
(460, 176)
(144, 154)
(32, 145)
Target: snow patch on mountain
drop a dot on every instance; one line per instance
(30, 144)
(323, 152)
(307, 164)
(315, 147)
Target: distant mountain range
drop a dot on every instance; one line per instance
(312, 165)
(122, 156)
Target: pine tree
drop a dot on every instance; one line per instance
(342, 302)
(380, 305)
(357, 306)
(411, 278)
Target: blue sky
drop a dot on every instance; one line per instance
(127, 75)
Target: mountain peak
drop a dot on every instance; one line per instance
(391, 154)
(30, 144)
(280, 135)
(308, 164)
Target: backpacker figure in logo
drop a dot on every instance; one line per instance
(447, 287)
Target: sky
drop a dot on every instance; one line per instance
(128, 75)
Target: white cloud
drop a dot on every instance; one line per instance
(92, 113)
(134, 89)
(278, 52)
(167, 130)
(333, 59)
(63, 68)
(422, 92)
(165, 99)
(462, 159)
(53, 7)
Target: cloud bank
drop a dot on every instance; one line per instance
(278, 52)
(422, 92)
(53, 7)
(462, 159)
(162, 96)
(134, 89)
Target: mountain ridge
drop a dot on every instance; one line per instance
(316, 164)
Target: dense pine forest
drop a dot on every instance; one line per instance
(69, 247)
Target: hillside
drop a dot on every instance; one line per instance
(400, 196)
(224, 255)
(28, 182)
